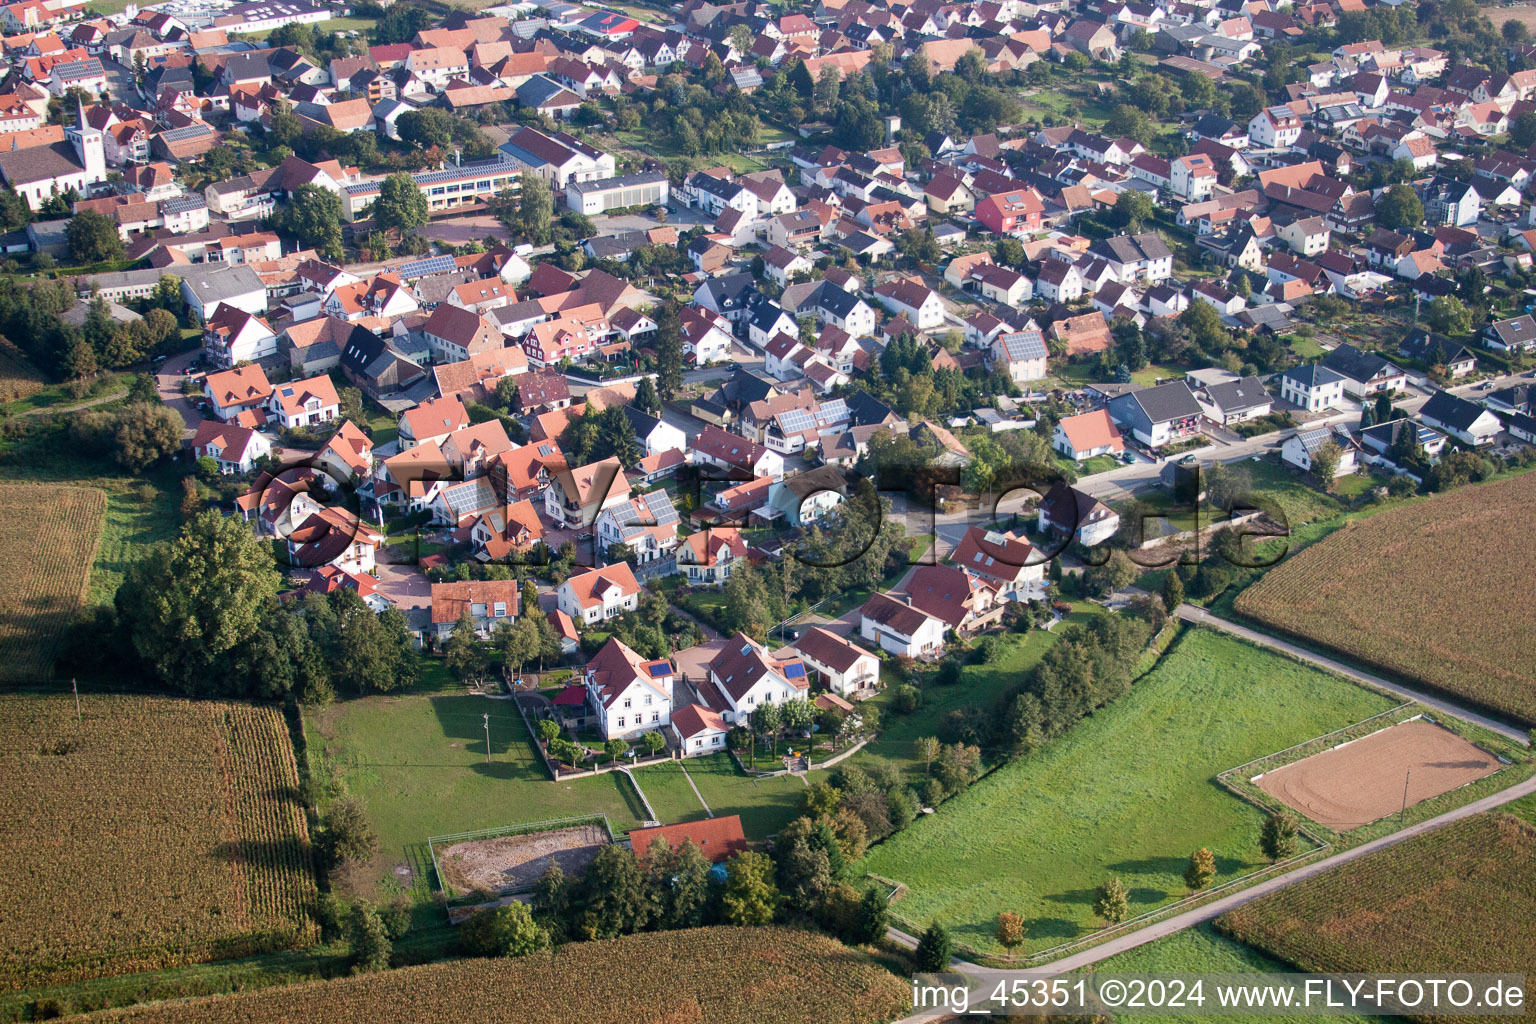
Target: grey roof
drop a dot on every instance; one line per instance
(1312, 440)
(835, 300)
(39, 163)
(1356, 364)
(1311, 375)
(766, 314)
(1132, 248)
(1166, 401)
(1239, 395)
(1452, 410)
(181, 204)
(222, 283)
(622, 181)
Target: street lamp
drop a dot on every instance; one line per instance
(487, 717)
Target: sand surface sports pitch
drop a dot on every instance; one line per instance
(1362, 781)
(514, 862)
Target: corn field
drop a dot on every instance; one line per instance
(1437, 591)
(49, 535)
(1457, 899)
(156, 832)
(702, 976)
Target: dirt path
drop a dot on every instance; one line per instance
(46, 410)
(696, 792)
(1199, 616)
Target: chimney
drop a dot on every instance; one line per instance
(456, 161)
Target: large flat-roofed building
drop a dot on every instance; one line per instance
(647, 189)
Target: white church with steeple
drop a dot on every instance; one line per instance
(41, 172)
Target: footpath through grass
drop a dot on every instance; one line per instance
(1130, 792)
(416, 763)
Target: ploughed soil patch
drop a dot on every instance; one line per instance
(507, 863)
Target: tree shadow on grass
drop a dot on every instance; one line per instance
(1151, 866)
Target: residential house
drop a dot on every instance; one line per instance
(746, 677)
(1006, 562)
(234, 449)
(842, 667)
(705, 558)
(1159, 415)
(490, 604)
(598, 595)
(1364, 373)
(629, 694)
(1466, 421)
(1312, 387)
(1087, 435)
(1069, 513)
(900, 628)
(1301, 447)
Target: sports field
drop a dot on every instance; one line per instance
(1369, 778)
(1392, 590)
(1130, 792)
(417, 764)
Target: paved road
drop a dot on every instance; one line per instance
(1123, 481)
(1216, 908)
(1190, 613)
(168, 380)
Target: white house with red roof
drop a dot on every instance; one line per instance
(235, 449)
(721, 448)
(900, 628)
(232, 392)
(914, 300)
(488, 603)
(844, 667)
(1087, 434)
(1006, 562)
(329, 579)
(629, 694)
(334, 536)
(699, 730)
(304, 403)
(745, 677)
(705, 558)
(598, 595)
(233, 336)
(576, 497)
(963, 602)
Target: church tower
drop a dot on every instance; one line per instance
(89, 145)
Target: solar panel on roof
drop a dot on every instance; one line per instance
(659, 670)
(426, 267)
(794, 671)
(796, 419)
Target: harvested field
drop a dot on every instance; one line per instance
(1362, 781)
(1456, 899)
(18, 377)
(1525, 14)
(51, 534)
(1391, 591)
(713, 975)
(152, 833)
(516, 862)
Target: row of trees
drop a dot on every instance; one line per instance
(200, 615)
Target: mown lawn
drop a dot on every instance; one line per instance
(1127, 793)
(979, 685)
(416, 762)
(1199, 950)
(765, 804)
(671, 797)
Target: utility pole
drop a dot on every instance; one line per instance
(73, 685)
(487, 717)
(1401, 814)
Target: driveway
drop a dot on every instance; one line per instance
(405, 585)
(168, 380)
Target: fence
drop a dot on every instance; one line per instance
(520, 829)
(1317, 744)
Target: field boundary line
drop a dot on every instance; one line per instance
(1197, 616)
